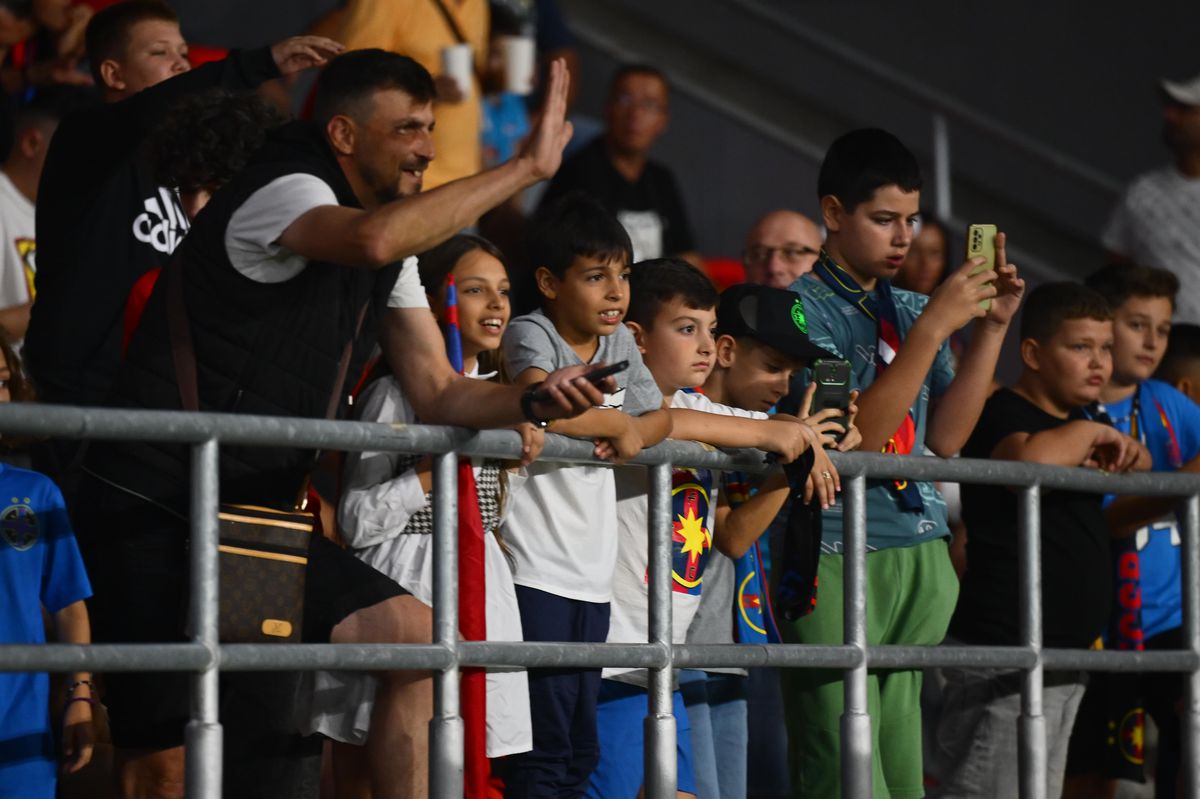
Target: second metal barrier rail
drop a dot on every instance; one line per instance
(205, 657)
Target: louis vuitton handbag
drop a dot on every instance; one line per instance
(263, 552)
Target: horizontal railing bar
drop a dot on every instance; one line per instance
(963, 657)
(566, 655)
(377, 657)
(175, 426)
(1015, 473)
(346, 657)
(1088, 660)
(695, 656)
(116, 424)
(104, 657)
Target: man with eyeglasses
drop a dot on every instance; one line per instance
(781, 247)
(616, 168)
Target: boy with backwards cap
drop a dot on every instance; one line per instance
(762, 341)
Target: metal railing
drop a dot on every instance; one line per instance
(205, 657)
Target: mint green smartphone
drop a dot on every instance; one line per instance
(981, 240)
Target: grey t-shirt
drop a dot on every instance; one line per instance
(713, 623)
(1157, 223)
(532, 341)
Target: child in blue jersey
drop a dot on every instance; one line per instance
(40, 570)
(1147, 605)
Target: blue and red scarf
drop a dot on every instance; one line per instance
(754, 619)
(880, 307)
(472, 587)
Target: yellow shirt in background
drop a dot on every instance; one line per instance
(417, 29)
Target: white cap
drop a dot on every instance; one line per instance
(1184, 92)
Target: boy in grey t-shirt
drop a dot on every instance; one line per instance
(561, 525)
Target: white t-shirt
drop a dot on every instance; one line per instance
(252, 236)
(693, 520)
(17, 248)
(1157, 223)
(376, 506)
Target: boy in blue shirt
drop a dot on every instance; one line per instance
(1148, 602)
(896, 342)
(40, 567)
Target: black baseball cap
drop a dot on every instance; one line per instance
(771, 316)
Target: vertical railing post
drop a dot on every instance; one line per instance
(659, 728)
(942, 174)
(202, 758)
(856, 719)
(1031, 733)
(446, 726)
(1190, 756)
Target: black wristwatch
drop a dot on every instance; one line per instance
(527, 400)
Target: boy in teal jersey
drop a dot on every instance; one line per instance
(896, 342)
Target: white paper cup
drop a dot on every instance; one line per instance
(520, 61)
(458, 63)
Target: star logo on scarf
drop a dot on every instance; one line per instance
(692, 533)
(692, 540)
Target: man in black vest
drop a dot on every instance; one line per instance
(275, 275)
(104, 219)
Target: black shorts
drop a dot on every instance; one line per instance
(138, 563)
(1105, 740)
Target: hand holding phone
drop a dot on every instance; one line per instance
(981, 242)
(832, 379)
(595, 377)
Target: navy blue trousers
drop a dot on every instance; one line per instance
(562, 702)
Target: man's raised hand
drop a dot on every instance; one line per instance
(544, 148)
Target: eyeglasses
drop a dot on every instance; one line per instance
(627, 101)
(759, 254)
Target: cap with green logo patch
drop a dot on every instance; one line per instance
(772, 316)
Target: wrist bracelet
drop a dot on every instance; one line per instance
(527, 407)
(71, 688)
(89, 699)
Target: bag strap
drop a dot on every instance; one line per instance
(184, 355)
(451, 22)
(180, 330)
(458, 34)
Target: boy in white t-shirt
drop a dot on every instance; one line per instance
(673, 317)
(561, 525)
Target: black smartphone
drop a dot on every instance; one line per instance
(833, 389)
(594, 377)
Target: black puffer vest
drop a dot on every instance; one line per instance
(261, 348)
